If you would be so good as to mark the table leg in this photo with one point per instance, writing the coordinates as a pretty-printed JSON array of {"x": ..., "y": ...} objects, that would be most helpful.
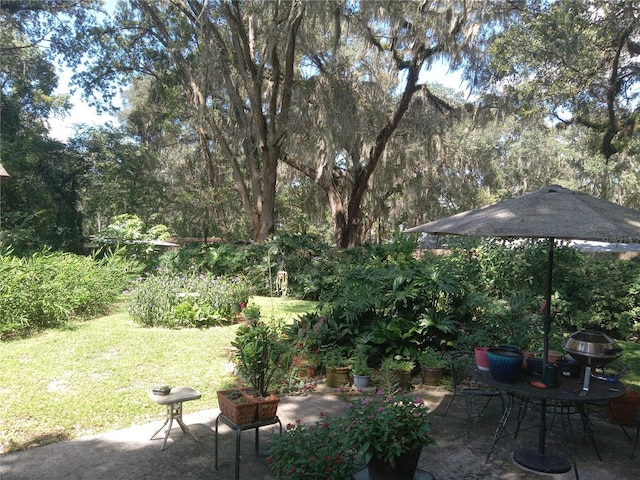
[
  {"x": 166, "y": 420},
  {"x": 586, "y": 425},
  {"x": 216, "y": 443},
  {"x": 168, "y": 431},
  {"x": 238, "y": 433},
  {"x": 502, "y": 425}
]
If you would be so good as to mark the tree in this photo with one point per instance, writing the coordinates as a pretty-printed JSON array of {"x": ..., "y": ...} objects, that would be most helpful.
[
  {"x": 364, "y": 76},
  {"x": 234, "y": 62},
  {"x": 577, "y": 61},
  {"x": 321, "y": 85},
  {"x": 40, "y": 204}
]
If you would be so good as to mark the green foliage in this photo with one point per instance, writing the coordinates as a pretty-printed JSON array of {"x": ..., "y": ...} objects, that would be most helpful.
[
  {"x": 260, "y": 352},
  {"x": 334, "y": 357},
  {"x": 40, "y": 203},
  {"x": 482, "y": 293},
  {"x": 129, "y": 232},
  {"x": 49, "y": 289},
  {"x": 398, "y": 363},
  {"x": 383, "y": 426},
  {"x": 189, "y": 300},
  {"x": 302, "y": 257},
  {"x": 431, "y": 358},
  {"x": 319, "y": 451},
  {"x": 310, "y": 334},
  {"x": 358, "y": 362},
  {"x": 386, "y": 426}
]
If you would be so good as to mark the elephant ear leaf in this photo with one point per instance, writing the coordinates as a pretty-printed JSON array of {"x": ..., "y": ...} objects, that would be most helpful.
[{"x": 437, "y": 320}]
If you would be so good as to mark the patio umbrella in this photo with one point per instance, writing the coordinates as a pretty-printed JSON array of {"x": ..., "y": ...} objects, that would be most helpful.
[{"x": 552, "y": 213}]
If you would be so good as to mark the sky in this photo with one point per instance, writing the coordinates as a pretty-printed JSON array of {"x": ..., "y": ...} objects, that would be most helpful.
[{"x": 81, "y": 113}]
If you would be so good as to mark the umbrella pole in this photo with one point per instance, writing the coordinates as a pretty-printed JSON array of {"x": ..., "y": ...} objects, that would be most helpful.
[
  {"x": 545, "y": 351},
  {"x": 547, "y": 307},
  {"x": 541, "y": 461}
]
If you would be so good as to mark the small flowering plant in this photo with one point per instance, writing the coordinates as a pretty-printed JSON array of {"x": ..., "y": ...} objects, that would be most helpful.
[
  {"x": 318, "y": 451},
  {"x": 386, "y": 426}
]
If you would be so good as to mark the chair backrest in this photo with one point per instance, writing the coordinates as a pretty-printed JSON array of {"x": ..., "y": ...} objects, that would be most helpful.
[{"x": 461, "y": 364}]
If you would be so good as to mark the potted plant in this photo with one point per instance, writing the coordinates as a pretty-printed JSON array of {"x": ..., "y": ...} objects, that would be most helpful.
[
  {"x": 306, "y": 363},
  {"x": 432, "y": 365},
  {"x": 336, "y": 365},
  {"x": 307, "y": 334},
  {"x": 399, "y": 367},
  {"x": 390, "y": 431},
  {"x": 360, "y": 369},
  {"x": 237, "y": 405},
  {"x": 258, "y": 351}
]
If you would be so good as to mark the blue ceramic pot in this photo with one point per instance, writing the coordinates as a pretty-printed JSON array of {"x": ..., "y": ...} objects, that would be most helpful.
[
  {"x": 504, "y": 365},
  {"x": 513, "y": 348}
]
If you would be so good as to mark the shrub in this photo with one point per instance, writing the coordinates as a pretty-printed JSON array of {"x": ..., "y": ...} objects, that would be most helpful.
[
  {"x": 385, "y": 426},
  {"x": 49, "y": 289},
  {"x": 190, "y": 300},
  {"x": 318, "y": 451}
]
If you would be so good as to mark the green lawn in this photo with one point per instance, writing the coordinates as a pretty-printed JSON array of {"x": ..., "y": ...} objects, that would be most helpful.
[{"x": 94, "y": 376}]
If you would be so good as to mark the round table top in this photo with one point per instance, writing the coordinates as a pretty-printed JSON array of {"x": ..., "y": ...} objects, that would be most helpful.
[
  {"x": 176, "y": 395},
  {"x": 568, "y": 389}
]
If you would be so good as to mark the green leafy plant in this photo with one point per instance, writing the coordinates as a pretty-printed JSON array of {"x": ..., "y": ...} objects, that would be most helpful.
[
  {"x": 386, "y": 426},
  {"x": 359, "y": 365},
  {"x": 49, "y": 289},
  {"x": 186, "y": 300},
  {"x": 318, "y": 451},
  {"x": 334, "y": 357},
  {"x": 398, "y": 363},
  {"x": 259, "y": 347},
  {"x": 429, "y": 357}
]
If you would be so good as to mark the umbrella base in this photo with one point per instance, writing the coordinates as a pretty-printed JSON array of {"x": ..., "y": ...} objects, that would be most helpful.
[{"x": 541, "y": 462}]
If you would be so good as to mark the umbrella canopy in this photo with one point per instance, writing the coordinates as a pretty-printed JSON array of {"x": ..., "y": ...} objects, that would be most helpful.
[{"x": 551, "y": 212}]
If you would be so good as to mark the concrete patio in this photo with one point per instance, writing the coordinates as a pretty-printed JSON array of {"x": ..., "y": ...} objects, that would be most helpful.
[{"x": 129, "y": 454}]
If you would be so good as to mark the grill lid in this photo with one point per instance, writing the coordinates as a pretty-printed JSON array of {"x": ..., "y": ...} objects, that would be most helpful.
[{"x": 592, "y": 348}]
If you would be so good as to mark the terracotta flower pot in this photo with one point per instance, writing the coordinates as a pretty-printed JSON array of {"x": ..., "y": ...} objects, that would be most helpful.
[
  {"x": 237, "y": 405},
  {"x": 624, "y": 409},
  {"x": 525, "y": 356},
  {"x": 481, "y": 358}
]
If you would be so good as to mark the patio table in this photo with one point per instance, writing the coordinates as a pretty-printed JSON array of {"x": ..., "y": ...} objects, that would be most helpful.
[
  {"x": 569, "y": 392},
  {"x": 173, "y": 402}
]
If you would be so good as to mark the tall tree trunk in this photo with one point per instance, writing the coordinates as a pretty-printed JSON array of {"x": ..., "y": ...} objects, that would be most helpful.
[{"x": 261, "y": 109}]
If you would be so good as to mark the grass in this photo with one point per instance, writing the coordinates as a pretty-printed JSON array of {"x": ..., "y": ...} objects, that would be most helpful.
[{"x": 94, "y": 376}]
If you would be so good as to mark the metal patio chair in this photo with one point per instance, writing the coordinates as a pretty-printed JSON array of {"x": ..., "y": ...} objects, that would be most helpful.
[{"x": 476, "y": 396}]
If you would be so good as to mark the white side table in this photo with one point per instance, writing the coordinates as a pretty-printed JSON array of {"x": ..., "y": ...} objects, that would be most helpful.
[{"x": 173, "y": 401}]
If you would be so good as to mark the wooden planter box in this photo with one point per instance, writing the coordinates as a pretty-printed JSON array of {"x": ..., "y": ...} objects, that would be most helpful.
[{"x": 241, "y": 410}]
